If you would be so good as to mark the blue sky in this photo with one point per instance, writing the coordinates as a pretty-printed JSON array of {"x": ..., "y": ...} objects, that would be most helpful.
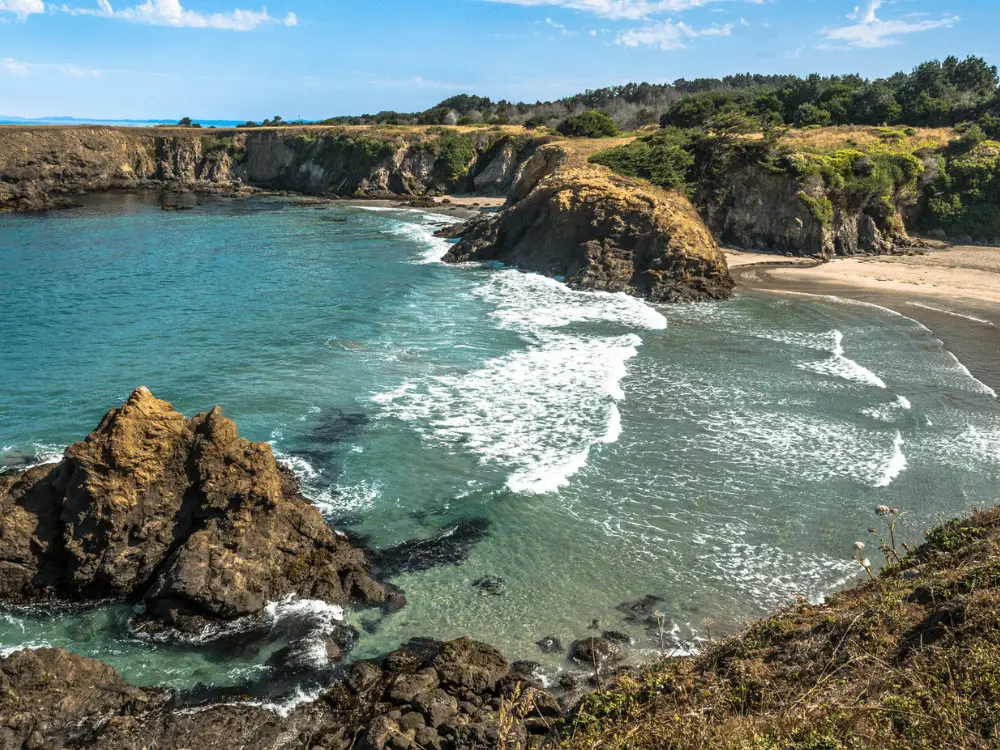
[{"x": 237, "y": 59}]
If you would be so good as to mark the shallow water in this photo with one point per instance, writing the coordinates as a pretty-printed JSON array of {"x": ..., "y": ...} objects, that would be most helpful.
[{"x": 722, "y": 457}]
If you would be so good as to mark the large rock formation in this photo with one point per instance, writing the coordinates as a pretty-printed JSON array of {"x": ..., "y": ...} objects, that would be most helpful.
[
  {"x": 180, "y": 514},
  {"x": 752, "y": 197},
  {"x": 446, "y": 696},
  {"x": 600, "y": 231},
  {"x": 46, "y": 167}
]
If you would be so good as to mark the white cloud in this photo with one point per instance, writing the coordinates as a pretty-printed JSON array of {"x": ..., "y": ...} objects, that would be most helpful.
[
  {"x": 630, "y": 9},
  {"x": 172, "y": 13},
  {"x": 22, "y": 8},
  {"x": 14, "y": 67},
  {"x": 871, "y": 31},
  {"x": 668, "y": 35}
]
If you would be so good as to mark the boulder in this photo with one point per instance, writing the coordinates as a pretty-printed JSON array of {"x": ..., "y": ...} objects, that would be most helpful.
[
  {"x": 473, "y": 666},
  {"x": 180, "y": 514},
  {"x": 595, "y": 651}
]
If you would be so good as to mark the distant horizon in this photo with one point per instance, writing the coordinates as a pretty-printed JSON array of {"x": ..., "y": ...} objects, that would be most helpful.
[{"x": 125, "y": 59}]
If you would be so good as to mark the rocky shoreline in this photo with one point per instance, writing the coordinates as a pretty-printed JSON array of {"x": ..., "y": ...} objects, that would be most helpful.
[{"x": 199, "y": 530}]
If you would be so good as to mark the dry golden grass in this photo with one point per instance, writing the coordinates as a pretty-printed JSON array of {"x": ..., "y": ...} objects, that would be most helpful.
[{"x": 864, "y": 137}]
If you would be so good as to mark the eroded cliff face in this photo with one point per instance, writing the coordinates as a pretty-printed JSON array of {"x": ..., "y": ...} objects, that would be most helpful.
[
  {"x": 600, "y": 231},
  {"x": 752, "y": 199},
  {"x": 45, "y": 167},
  {"x": 180, "y": 514}
]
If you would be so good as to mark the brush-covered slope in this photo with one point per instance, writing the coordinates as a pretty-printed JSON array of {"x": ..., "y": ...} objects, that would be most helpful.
[{"x": 910, "y": 659}]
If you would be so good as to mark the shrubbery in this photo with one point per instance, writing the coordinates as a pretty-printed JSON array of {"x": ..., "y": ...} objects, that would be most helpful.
[
  {"x": 589, "y": 124},
  {"x": 965, "y": 196},
  {"x": 663, "y": 158}
]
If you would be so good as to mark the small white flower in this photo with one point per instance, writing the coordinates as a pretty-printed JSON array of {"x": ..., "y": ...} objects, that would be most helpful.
[
  {"x": 866, "y": 563},
  {"x": 859, "y": 545}
]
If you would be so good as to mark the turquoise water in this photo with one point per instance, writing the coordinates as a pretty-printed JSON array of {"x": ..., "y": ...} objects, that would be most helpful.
[{"x": 723, "y": 457}]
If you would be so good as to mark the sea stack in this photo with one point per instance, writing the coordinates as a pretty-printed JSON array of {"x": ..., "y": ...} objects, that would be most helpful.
[{"x": 181, "y": 515}]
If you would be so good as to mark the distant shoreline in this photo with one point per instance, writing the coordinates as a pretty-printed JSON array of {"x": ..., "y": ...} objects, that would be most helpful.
[{"x": 954, "y": 292}]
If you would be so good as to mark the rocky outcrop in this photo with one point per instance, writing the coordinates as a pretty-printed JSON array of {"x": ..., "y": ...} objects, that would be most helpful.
[
  {"x": 46, "y": 167},
  {"x": 600, "y": 231},
  {"x": 752, "y": 198},
  {"x": 447, "y": 696},
  {"x": 179, "y": 514}
]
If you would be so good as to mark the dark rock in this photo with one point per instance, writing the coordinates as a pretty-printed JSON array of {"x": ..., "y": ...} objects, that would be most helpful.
[
  {"x": 365, "y": 679},
  {"x": 179, "y": 513},
  {"x": 616, "y": 637},
  {"x": 335, "y": 426},
  {"x": 379, "y": 733},
  {"x": 449, "y": 547},
  {"x": 402, "y": 661},
  {"x": 59, "y": 698},
  {"x": 642, "y": 611},
  {"x": 308, "y": 654},
  {"x": 492, "y": 585},
  {"x": 550, "y": 645},
  {"x": 595, "y": 652},
  {"x": 467, "y": 664},
  {"x": 412, "y": 722},
  {"x": 436, "y": 705},
  {"x": 406, "y": 687},
  {"x": 527, "y": 669}
]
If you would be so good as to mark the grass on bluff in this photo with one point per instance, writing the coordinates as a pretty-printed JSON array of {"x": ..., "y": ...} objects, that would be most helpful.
[{"x": 909, "y": 658}]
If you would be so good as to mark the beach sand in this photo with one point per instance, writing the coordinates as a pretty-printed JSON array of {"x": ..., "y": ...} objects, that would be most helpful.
[{"x": 952, "y": 290}]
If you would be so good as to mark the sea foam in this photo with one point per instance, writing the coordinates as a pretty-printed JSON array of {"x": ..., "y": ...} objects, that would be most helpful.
[
  {"x": 840, "y": 366},
  {"x": 536, "y": 412}
]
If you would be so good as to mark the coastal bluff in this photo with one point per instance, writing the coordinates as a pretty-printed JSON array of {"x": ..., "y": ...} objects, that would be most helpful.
[
  {"x": 599, "y": 231},
  {"x": 177, "y": 514},
  {"x": 47, "y": 167}
]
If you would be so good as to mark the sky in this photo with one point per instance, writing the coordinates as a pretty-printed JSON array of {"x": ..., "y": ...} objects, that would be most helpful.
[{"x": 239, "y": 60}]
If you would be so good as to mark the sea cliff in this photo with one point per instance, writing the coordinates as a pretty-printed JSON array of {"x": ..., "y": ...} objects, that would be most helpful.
[{"x": 45, "y": 167}]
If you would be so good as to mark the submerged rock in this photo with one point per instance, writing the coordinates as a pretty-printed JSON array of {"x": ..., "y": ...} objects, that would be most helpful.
[
  {"x": 450, "y": 547},
  {"x": 180, "y": 514}
]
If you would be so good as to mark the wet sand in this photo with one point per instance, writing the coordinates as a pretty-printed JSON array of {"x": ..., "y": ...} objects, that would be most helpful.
[{"x": 953, "y": 291}]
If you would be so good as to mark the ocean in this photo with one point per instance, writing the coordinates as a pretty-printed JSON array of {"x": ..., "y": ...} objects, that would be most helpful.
[{"x": 573, "y": 452}]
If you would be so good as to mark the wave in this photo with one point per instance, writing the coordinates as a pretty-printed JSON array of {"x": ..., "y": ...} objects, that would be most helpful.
[
  {"x": 423, "y": 234},
  {"x": 951, "y": 312},
  {"x": 979, "y": 385},
  {"x": 889, "y": 412},
  {"x": 536, "y": 412},
  {"x": 897, "y": 463},
  {"x": 840, "y": 366}
]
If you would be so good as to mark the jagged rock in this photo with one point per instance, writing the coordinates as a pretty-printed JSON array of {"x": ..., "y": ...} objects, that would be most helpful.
[
  {"x": 603, "y": 232},
  {"x": 52, "y": 699},
  {"x": 181, "y": 514},
  {"x": 595, "y": 651},
  {"x": 467, "y": 664},
  {"x": 58, "y": 697}
]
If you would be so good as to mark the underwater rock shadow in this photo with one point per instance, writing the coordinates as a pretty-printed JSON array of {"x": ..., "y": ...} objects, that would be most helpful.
[{"x": 451, "y": 546}]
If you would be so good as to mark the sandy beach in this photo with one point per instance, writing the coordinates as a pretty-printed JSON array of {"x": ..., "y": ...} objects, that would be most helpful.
[{"x": 953, "y": 290}]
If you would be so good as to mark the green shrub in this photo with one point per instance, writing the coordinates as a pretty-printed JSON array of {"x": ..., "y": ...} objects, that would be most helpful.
[
  {"x": 455, "y": 153},
  {"x": 821, "y": 209},
  {"x": 663, "y": 158},
  {"x": 810, "y": 114},
  {"x": 965, "y": 196},
  {"x": 589, "y": 124}
]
